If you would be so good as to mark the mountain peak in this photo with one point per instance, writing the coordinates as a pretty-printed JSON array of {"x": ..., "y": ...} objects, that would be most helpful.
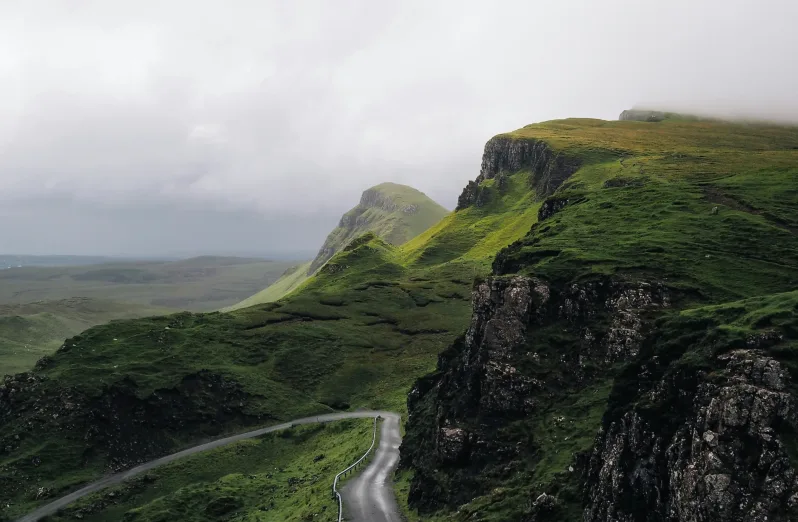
[{"x": 394, "y": 212}]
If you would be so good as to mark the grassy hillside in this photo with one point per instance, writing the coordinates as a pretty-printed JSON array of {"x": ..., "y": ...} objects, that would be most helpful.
[
  {"x": 703, "y": 212},
  {"x": 33, "y": 330},
  {"x": 287, "y": 283},
  {"x": 197, "y": 284},
  {"x": 284, "y": 476},
  {"x": 359, "y": 333},
  {"x": 396, "y": 213},
  {"x": 706, "y": 208}
]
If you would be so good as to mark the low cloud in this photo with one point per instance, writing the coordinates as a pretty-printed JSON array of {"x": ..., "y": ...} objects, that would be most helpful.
[{"x": 287, "y": 111}]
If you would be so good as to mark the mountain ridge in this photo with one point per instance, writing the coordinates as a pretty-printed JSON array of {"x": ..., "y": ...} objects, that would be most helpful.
[
  {"x": 541, "y": 330},
  {"x": 397, "y": 213}
]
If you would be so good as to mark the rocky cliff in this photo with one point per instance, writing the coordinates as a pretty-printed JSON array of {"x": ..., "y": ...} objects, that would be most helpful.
[
  {"x": 396, "y": 213},
  {"x": 506, "y": 155},
  {"x": 531, "y": 348},
  {"x": 604, "y": 377},
  {"x": 699, "y": 427}
]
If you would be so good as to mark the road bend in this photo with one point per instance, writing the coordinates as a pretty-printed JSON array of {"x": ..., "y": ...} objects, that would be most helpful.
[
  {"x": 370, "y": 497},
  {"x": 116, "y": 478}
]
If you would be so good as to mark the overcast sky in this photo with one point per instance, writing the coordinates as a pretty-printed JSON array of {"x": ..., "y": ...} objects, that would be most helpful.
[{"x": 160, "y": 127}]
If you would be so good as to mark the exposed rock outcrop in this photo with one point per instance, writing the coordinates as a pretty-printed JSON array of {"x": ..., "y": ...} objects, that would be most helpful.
[
  {"x": 492, "y": 376},
  {"x": 698, "y": 428},
  {"x": 551, "y": 206},
  {"x": 720, "y": 458},
  {"x": 508, "y": 155},
  {"x": 642, "y": 115}
]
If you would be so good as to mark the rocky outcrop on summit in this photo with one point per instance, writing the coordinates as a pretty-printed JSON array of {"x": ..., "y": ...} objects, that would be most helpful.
[
  {"x": 642, "y": 115},
  {"x": 505, "y": 368},
  {"x": 508, "y": 155},
  {"x": 395, "y": 213}
]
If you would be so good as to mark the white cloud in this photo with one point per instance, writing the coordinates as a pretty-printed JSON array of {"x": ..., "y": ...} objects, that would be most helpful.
[{"x": 296, "y": 107}]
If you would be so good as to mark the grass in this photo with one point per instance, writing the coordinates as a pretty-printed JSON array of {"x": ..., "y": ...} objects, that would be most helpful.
[
  {"x": 284, "y": 476},
  {"x": 33, "y": 330},
  {"x": 376, "y": 316},
  {"x": 396, "y": 213},
  {"x": 357, "y": 334},
  {"x": 708, "y": 210},
  {"x": 652, "y": 215},
  {"x": 288, "y": 282}
]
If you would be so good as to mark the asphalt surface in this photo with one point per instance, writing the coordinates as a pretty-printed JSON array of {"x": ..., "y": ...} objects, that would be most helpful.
[
  {"x": 369, "y": 497},
  {"x": 116, "y": 478}
]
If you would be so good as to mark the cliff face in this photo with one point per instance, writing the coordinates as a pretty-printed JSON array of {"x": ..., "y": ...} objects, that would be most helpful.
[
  {"x": 394, "y": 212},
  {"x": 506, "y": 155},
  {"x": 685, "y": 436},
  {"x": 603, "y": 376},
  {"x": 719, "y": 453},
  {"x": 530, "y": 346}
]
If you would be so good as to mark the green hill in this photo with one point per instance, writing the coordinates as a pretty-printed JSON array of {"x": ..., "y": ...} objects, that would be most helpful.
[
  {"x": 32, "y": 330},
  {"x": 287, "y": 283},
  {"x": 395, "y": 213},
  {"x": 583, "y": 251},
  {"x": 44, "y": 301}
]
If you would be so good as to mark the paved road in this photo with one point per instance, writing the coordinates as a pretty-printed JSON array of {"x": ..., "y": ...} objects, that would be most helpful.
[
  {"x": 369, "y": 497},
  {"x": 116, "y": 478}
]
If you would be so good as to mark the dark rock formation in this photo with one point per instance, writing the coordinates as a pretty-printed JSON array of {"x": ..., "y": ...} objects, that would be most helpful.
[
  {"x": 469, "y": 195},
  {"x": 492, "y": 376},
  {"x": 642, "y": 115},
  {"x": 508, "y": 155},
  {"x": 722, "y": 457},
  {"x": 551, "y": 206},
  {"x": 700, "y": 426}
]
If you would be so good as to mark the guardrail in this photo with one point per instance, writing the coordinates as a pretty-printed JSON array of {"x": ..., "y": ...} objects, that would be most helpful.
[{"x": 335, "y": 492}]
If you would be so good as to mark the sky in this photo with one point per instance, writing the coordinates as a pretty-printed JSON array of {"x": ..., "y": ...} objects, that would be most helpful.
[{"x": 249, "y": 126}]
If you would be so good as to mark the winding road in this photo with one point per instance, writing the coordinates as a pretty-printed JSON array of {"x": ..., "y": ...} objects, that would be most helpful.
[
  {"x": 369, "y": 497},
  {"x": 372, "y": 498}
]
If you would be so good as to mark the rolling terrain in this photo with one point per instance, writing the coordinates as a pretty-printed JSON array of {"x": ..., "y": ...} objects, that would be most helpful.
[
  {"x": 395, "y": 213},
  {"x": 198, "y": 284},
  {"x": 44, "y": 302},
  {"x": 544, "y": 331},
  {"x": 30, "y": 331}
]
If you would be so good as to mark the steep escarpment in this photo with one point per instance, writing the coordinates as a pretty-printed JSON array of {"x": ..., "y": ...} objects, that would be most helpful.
[
  {"x": 505, "y": 155},
  {"x": 699, "y": 425},
  {"x": 396, "y": 213},
  {"x": 633, "y": 357},
  {"x": 533, "y": 362},
  {"x": 702, "y": 447}
]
